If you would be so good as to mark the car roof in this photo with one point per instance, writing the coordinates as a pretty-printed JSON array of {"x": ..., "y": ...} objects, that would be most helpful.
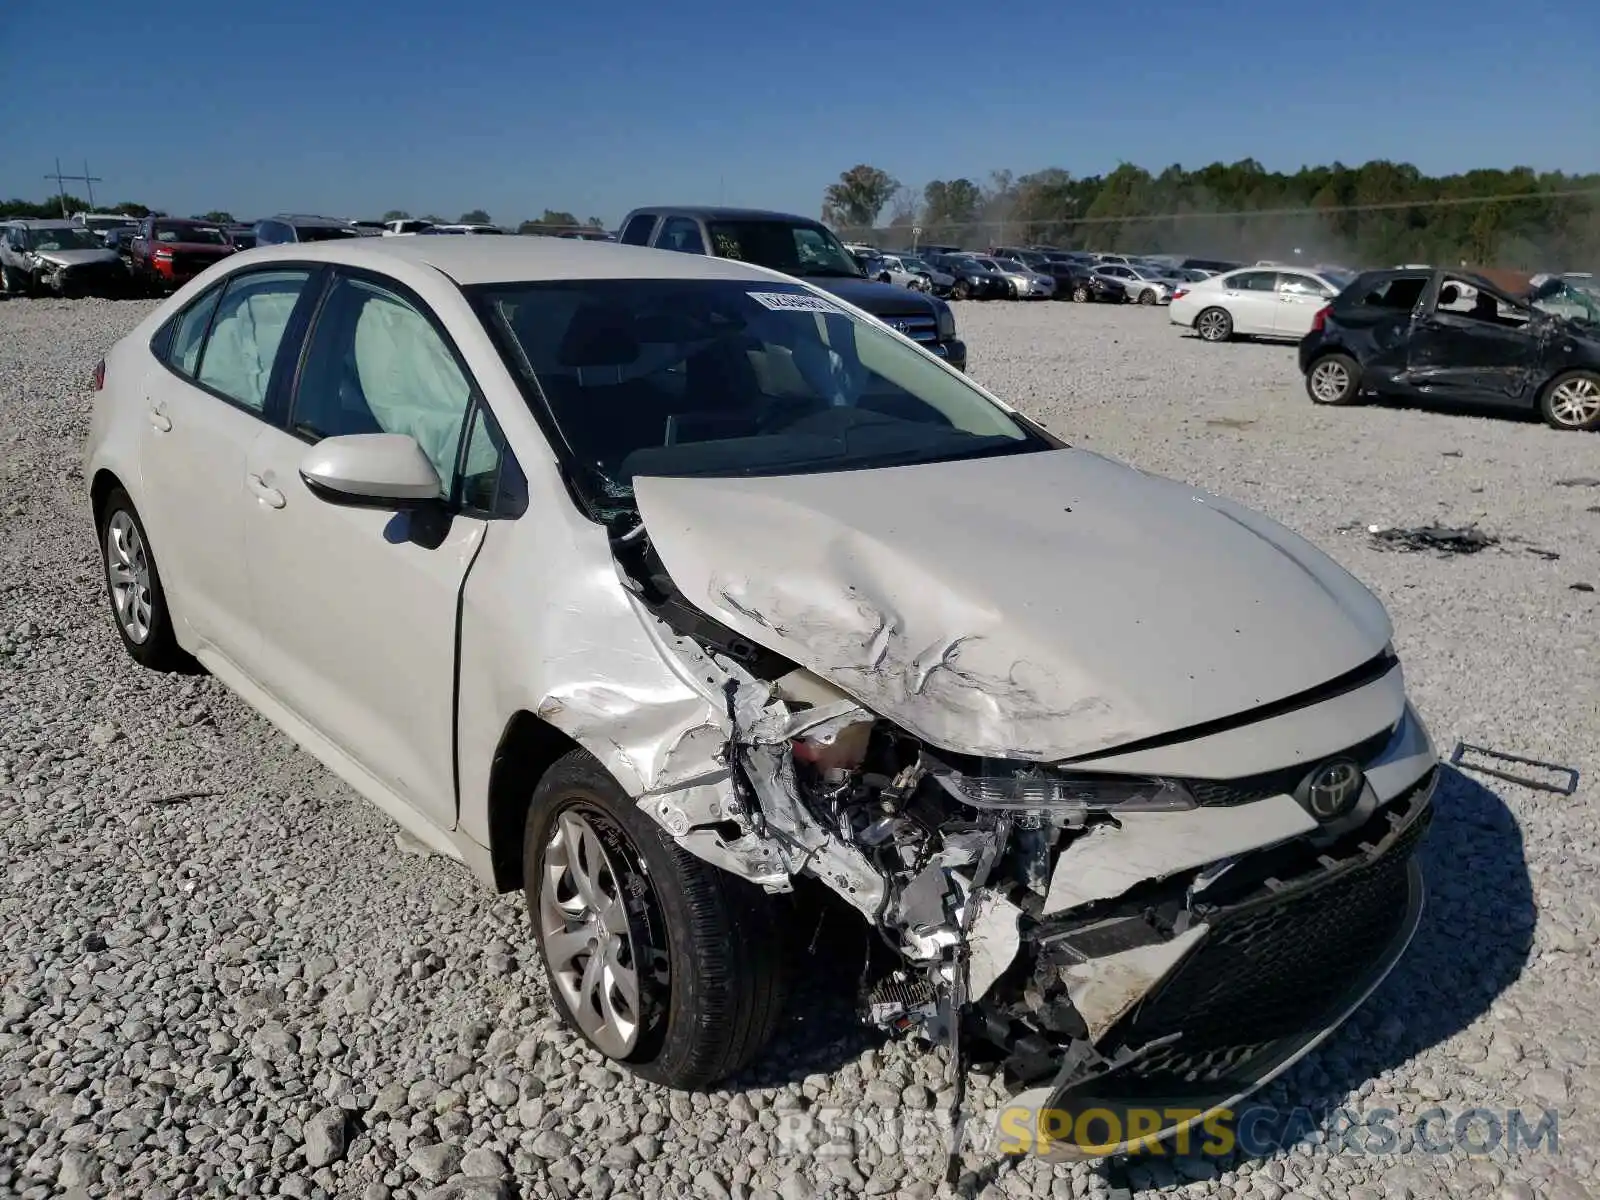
[
  {"x": 715, "y": 213},
  {"x": 39, "y": 223},
  {"x": 514, "y": 259}
]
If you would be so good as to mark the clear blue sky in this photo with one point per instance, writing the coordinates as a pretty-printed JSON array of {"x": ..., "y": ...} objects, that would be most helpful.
[{"x": 352, "y": 107}]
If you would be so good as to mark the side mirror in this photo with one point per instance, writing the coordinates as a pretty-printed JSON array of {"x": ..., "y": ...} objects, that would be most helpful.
[{"x": 372, "y": 470}]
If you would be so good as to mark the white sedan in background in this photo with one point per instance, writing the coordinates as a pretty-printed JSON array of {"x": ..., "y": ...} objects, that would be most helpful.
[{"x": 1277, "y": 302}]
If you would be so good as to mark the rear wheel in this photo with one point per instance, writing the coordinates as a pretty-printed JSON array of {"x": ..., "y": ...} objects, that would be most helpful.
[
  {"x": 1334, "y": 379},
  {"x": 13, "y": 281},
  {"x": 1572, "y": 401},
  {"x": 133, "y": 584},
  {"x": 1214, "y": 325},
  {"x": 661, "y": 961}
]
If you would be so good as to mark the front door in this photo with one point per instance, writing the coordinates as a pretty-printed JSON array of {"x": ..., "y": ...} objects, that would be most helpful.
[
  {"x": 357, "y": 606},
  {"x": 1473, "y": 347},
  {"x": 1300, "y": 299}
]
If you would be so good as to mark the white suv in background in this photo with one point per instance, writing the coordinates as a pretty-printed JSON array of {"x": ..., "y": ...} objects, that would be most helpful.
[{"x": 1260, "y": 302}]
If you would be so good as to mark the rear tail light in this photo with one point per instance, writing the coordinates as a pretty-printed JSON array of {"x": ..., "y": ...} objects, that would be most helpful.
[
  {"x": 163, "y": 253},
  {"x": 100, "y": 375},
  {"x": 1321, "y": 319},
  {"x": 1180, "y": 293}
]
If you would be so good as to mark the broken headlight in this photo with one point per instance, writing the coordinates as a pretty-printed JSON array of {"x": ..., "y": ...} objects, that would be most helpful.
[{"x": 1004, "y": 785}]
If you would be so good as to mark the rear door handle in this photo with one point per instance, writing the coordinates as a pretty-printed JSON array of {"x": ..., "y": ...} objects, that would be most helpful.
[
  {"x": 268, "y": 495},
  {"x": 159, "y": 419}
]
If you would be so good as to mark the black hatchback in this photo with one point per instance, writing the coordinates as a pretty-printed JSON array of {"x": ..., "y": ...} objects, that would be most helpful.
[{"x": 1453, "y": 337}]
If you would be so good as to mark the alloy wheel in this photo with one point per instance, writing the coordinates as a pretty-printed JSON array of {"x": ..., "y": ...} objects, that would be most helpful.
[
  {"x": 1212, "y": 326},
  {"x": 588, "y": 940},
  {"x": 1329, "y": 381},
  {"x": 128, "y": 570},
  {"x": 1576, "y": 402}
]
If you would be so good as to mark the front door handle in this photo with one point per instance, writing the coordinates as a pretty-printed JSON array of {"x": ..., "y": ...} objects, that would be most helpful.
[
  {"x": 160, "y": 420},
  {"x": 265, "y": 492}
]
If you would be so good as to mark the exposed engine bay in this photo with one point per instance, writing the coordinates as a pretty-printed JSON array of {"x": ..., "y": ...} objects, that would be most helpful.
[{"x": 1099, "y": 929}]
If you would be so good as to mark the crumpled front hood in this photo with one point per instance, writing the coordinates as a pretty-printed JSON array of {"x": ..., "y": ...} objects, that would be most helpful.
[
  {"x": 1037, "y": 606},
  {"x": 77, "y": 258}
]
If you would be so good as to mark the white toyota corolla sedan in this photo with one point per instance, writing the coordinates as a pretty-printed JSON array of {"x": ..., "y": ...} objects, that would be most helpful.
[{"x": 649, "y": 583}]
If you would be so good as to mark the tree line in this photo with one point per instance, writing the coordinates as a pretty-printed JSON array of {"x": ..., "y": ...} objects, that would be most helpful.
[
  {"x": 55, "y": 207},
  {"x": 1377, "y": 213}
]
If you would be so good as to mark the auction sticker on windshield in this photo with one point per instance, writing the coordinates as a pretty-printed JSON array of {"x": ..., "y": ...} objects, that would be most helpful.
[{"x": 779, "y": 301}]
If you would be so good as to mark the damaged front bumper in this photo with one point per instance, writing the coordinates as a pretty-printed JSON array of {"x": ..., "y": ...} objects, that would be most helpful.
[{"x": 1258, "y": 982}]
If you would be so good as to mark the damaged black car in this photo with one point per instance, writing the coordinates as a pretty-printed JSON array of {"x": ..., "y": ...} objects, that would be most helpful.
[{"x": 1453, "y": 336}]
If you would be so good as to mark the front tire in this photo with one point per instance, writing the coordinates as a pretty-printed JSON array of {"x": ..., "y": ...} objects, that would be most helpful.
[
  {"x": 1147, "y": 297},
  {"x": 1571, "y": 401},
  {"x": 133, "y": 585},
  {"x": 960, "y": 291},
  {"x": 1334, "y": 379},
  {"x": 1080, "y": 294},
  {"x": 1214, "y": 325},
  {"x": 662, "y": 962}
]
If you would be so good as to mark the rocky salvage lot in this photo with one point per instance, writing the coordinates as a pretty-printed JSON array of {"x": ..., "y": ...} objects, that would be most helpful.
[{"x": 221, "y": 975}]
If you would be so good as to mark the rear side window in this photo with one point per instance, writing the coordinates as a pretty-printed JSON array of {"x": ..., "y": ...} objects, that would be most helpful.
[
  {"x": 638, "y": 231},
  {"x": 1397, "y": 295},
  {"x": 1254, "y": 281},
  {"x": 189, "y": 334},
  {"x": 248, "y": 326},
  {"x": 680, "y": 233}
]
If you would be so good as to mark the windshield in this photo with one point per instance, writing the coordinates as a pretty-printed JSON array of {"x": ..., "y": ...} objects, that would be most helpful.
[
  {"x": 195, "y": 235},
  {"x": 65, "y": 238},
  {"x": 1567, "y": 301},
  {"x": 805, "y": 250},
  {"x": 915, "y": 264},
  {"x": 725, "y": 377}
]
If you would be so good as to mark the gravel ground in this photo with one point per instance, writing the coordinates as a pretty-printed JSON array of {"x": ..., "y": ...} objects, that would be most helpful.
[{"x": 257, "y": 990}]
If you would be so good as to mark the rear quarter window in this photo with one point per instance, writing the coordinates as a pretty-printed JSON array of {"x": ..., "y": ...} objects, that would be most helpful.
[{"x": 1394, "y": 295}]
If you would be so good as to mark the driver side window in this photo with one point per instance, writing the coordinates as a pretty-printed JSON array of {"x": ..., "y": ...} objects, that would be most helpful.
[{"x": 376, "y": 365}]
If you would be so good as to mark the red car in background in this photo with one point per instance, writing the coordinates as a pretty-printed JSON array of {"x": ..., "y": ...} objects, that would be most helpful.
[{"x": 165, "y": 253}]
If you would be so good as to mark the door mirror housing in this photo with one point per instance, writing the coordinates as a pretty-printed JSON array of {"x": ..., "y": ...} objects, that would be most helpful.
[{"x": 372, "y": 470}]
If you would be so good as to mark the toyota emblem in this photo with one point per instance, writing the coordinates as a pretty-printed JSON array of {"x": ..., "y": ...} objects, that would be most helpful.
[{"x": 1332, "y": 790}]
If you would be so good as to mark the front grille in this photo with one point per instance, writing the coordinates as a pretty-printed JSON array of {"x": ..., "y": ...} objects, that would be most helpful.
[
  {"x": 918, "y": 328},
  {"x": 1225, "y": 793},
  {"x": 1273, "y": 968}
]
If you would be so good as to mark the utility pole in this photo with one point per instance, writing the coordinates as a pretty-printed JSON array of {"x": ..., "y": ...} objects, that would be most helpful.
[{"x": 61, "y": 180}]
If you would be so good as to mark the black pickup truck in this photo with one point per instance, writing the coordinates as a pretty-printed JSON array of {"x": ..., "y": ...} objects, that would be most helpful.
[{"x": 803, "y": 248}]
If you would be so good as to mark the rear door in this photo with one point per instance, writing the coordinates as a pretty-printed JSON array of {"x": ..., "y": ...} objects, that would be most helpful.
[
  {"x": 1471, "y": 345},
  {"x": 206, "y": 405},
  {"x": 357, "y": 606},
  {"x": 1251, "y": 298}
]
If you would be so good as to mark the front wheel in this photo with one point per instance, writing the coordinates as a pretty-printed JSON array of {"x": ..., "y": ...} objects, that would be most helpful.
[
  {"x": 960, "y": 291},
  {"x": 1334, "y": 379},
  {"x": 1214, "y": 325},
  {"x": 661, "y": 961},
  {"x": 1572, "y": 401},
  {"x": 1080, "y": 294},
  {"x": 1147, "y": 297}
]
